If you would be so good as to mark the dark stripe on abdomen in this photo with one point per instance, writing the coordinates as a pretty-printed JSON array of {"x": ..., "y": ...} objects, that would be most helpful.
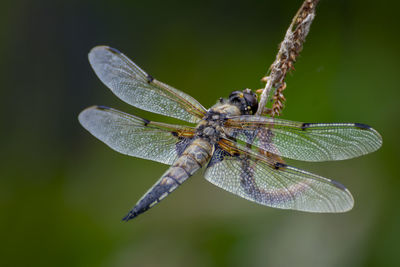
[{"x": 192, "y": 159}]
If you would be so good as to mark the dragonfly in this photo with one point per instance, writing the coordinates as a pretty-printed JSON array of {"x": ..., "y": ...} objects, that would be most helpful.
[{"x": 241, "y": 152}]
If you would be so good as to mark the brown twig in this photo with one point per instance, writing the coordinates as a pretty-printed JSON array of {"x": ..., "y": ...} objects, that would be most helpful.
[{"x": 289, "y": 49}]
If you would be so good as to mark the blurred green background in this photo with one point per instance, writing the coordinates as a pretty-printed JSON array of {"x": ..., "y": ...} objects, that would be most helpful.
[{"x": 63, "y": 192}]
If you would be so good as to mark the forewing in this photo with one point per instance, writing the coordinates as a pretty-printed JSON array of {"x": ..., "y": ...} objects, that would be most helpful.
[
  {"x": 135, "y": 136},
  {"x": 305, "y": 141},
  {"x": 273, "y": 183},
  {"x": 136, "y": 87}
]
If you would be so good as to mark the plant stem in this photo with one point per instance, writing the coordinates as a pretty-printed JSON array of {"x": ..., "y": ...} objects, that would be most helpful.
[{"x": 289, "y": 49}]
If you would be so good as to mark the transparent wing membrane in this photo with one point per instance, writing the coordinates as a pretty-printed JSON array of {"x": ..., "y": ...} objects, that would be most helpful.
[
  {"x": 136, "y": 87},
  {"x": 273, "y": 183},
  {"x": 246, "y": 150},
  {"x": 135, "y": 136},
  {"x": 305, "y": 141}
]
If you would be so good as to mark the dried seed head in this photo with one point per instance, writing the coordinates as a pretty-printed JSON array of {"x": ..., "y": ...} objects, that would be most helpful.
[{"x": 289, "y": 49}]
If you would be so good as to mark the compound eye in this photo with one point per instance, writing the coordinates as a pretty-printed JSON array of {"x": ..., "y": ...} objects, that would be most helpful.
[
  {"x": 235, "y": 94},
  {"x": 247, "y": 91},
  {"x": 251, "y": 100},
  {"x": 236, "y": 97}
]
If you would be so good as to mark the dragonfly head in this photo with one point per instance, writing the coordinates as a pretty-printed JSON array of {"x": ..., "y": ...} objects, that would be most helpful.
[{"x": 246, "y": 100}]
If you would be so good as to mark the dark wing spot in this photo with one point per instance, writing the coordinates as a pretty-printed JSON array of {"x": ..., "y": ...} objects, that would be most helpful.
[
  {"x": 247, "y": 179},
  {"x": 362, "y": 126},
  {"x": 279, "y": 165},
  {"x": 174, "y": 134},
  {"x": 338, "y": 185},
  {"x": 113, "y": 50},
  {"x": 103, "y": 107},
  {"x": 146, "y": 122},
  {"x": 149, "y": 78},
  {"x": 218, "y": 156},
  {"x": 305, "y": 125},
  {"x": 181, "y": 146}
]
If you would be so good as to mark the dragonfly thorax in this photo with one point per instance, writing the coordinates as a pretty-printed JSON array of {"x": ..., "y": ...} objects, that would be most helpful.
[{"x": 211, "y": 125}]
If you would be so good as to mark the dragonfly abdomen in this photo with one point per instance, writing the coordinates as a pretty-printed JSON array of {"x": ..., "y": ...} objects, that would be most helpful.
[{"x": 193, "y": 158}]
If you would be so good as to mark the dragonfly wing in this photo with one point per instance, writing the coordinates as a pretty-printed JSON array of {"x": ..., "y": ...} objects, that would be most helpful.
[
  {"x": 136, "y": 87},
  {"x": 272, "y": 183},
  {"x": 135, "y": 136},
  {"x": 305, "y": 141}
]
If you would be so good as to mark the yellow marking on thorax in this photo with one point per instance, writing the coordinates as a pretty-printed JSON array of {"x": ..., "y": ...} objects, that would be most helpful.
[
  {"x": 228, "y": 147},
  {"x": 186, "y": 134}
]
